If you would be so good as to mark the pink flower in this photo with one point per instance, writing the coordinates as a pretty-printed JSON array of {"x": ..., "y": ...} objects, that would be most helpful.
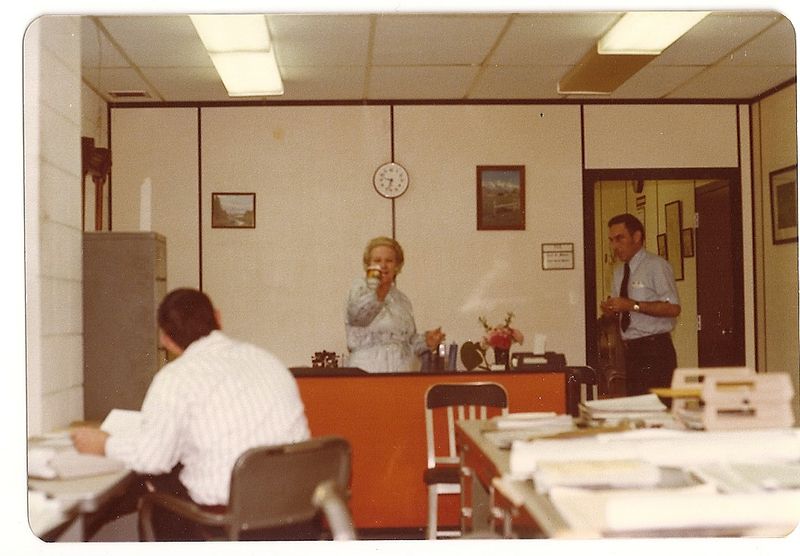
[{"x": 502, "y": 335}]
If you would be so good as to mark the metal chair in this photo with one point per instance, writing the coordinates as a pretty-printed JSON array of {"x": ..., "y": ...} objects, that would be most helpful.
[
  {"x": 444, "y": 475},
  {"x": 271, "y": 486},
  {"x": 581, "y": 386}
]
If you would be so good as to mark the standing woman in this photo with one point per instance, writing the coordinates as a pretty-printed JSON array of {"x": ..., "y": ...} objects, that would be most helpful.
[{"x": 381, "y": 334}]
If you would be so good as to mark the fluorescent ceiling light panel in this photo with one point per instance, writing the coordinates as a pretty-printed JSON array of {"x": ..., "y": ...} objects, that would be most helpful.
[
  {"x": 647, "y": 32},
  {"x": 241, "y": 50},
  {"x": 248, "y": 73}
]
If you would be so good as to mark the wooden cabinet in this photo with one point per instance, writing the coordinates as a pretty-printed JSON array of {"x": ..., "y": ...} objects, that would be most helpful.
[{"x": 124, "y": 280}]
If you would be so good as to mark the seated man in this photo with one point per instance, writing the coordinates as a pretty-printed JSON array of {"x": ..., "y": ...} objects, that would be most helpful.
[{"x": 205, "y": 408}]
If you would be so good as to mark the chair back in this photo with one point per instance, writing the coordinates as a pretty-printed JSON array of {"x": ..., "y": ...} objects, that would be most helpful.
[
  {"x": 275, "y": 485},
  {"x": 458, "y": 401}
]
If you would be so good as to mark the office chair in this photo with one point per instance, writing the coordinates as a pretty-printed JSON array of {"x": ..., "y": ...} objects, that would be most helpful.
[
  {"x": 456, "y": 401},
  {"x": 271, "y": 486}
]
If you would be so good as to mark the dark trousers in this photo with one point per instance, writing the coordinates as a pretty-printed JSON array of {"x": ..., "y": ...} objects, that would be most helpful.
[{"x": 649, "y": 363}]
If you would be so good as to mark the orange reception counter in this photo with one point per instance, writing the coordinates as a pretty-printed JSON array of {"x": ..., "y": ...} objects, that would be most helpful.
[{"x": 383, "y": 418}]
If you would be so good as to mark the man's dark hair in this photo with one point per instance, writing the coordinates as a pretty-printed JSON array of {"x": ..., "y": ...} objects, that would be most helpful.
[
  {"x": 632, "y": 224},
  {"x": 186, "y": 315}
]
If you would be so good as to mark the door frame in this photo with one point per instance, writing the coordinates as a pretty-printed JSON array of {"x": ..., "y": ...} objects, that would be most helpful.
[{"x": 628, "y": 174}]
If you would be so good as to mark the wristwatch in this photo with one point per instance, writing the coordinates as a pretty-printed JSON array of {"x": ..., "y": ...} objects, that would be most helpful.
[{"x": 636, "y": 307}]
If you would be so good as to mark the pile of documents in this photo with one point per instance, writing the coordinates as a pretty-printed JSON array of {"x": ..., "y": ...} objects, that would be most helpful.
[
  {"x": 52, "y": 455},
  {"x": 504, "y": 430},
  {"x": 646, "y": 409},
  {"x": 67, "y": 463},
  {"x": 667, "y": 480}
]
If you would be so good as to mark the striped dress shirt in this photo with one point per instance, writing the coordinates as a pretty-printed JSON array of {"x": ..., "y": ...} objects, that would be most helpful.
[{"x": 204, "y": 409}]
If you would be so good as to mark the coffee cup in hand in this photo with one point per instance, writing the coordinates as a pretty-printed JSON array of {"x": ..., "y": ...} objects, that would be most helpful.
[{"x": 373, "y": 275}]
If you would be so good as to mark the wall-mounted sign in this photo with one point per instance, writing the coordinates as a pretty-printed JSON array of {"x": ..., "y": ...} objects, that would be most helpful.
[{"x": 558, "y": 256}]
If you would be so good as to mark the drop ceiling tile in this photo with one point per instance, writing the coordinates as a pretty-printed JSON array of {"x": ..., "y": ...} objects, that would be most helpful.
[
  {"x": 775, "y": 46},
  {"x": 435, "y": 39},
  {"x": 96, "y": 49},
  {"x": 317, "y": 40},
  {"x": 530, "y": 39},
  {"x": 158, "y": 41},
  {"x": 337, "y": 83},
  {"x": 716, "y": 36},
  {"x": 519, "y": 82},
  {"x": 734, "y": 82},
  {"x": 188, "y": 84},
  {"x": 655, "y": 81},
  {"x": 420, "y": 82}
]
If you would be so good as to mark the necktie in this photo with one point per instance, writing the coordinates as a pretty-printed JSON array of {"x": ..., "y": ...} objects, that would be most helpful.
[{"x": 625, "y": 317}]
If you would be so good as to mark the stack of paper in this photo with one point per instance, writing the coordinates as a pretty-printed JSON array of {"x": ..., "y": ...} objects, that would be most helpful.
[
  {"x": 596, "y": 473},
  {"x": 647, "y": 408},
  {"x": 527, "y": 426},
  {"x": 670, "y": 448},
  {"x": 49, "y": 463},
  {"x": 527, "y": 420}
]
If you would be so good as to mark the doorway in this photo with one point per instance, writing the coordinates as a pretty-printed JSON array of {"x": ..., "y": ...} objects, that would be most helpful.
[
  {"x": 707, "y": 257},
  {"x": 720, "y": 323}
]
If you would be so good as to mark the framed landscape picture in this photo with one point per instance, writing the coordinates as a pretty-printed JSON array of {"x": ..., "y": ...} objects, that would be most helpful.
[
  {"x": 783, "y": 198},
  {"x": 233, "y": 210},
  {"x": 674, "y": 225},
  {"x": 501, "y": 197}
]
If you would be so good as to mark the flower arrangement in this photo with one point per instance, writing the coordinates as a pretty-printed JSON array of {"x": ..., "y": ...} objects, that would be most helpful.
[{"x": 500, "y": 336}]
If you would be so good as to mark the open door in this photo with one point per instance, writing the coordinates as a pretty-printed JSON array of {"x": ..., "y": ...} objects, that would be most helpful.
[{"x": 720, "y": 313}]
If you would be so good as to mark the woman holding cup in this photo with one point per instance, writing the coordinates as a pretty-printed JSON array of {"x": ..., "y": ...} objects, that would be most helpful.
[{"x": 381, "y": 334}]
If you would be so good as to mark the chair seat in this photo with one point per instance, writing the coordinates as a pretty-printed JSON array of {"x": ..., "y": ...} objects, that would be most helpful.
[{"x": 442, "y": 474}]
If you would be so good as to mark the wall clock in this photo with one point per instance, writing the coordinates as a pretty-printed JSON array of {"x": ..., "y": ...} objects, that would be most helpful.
[{"x": 390, "y": 180}]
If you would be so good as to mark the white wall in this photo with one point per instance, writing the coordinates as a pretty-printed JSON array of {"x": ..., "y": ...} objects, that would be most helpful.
[
  {"x": 454, "y": 272},
  {"x": 159, "y": 146},
  {"x": 660, "y": 136},
  {"x": 775, "y": 142},
  {"x": 54, "y": 341},
  {"x": 282, "y": 284}
]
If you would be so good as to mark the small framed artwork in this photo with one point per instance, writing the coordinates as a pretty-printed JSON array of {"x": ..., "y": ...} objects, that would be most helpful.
[
  {"x": 687, "y": 242},
  {"x": 783, "y": 197},
  {"x": 662, "y": 245},
  {"x": 233, "y": 210},
  {"x": 501, "y": 197},
  {"x": 674, "y": 225}
]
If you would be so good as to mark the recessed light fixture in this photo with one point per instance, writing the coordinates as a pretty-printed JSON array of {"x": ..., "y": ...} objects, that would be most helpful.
[
  {"x": 635, "y": 40},
  {"x": 242, "y": 53},
  {"x": 647, "y": 32}
]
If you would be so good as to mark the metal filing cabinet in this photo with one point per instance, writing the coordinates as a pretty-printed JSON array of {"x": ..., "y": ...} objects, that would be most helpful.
[{"x": 124, "y": 280}]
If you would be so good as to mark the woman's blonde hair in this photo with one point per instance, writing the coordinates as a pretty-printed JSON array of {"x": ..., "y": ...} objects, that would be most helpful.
[{"x": 383, "y": 241}]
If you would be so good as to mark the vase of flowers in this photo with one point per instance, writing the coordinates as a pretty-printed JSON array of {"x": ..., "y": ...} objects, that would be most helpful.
[{"x": 499, "y": 338}]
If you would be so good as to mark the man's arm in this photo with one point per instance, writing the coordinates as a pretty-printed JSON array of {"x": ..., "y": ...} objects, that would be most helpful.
[{"x": 89, "y": 440}]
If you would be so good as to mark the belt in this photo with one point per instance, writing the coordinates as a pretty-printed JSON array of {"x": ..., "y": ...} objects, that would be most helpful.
[{"x": 647, "y": 339}]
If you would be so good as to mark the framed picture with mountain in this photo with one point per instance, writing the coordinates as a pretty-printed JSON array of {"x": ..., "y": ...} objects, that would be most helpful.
[
  {"x": 233, "y": 210},
  {"x": 501, "y": 197}
]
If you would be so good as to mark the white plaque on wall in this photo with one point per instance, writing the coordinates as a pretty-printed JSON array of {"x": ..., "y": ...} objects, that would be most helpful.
[{"x": 558, "y": 256}]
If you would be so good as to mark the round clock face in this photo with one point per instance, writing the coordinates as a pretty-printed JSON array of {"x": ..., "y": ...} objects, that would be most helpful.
[{"x": 390, "y": 180}]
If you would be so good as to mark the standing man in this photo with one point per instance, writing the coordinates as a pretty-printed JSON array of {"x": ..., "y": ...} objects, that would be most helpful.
[
  {"x": 645, "y": 298},
  {"x": 219, "y": 398}
]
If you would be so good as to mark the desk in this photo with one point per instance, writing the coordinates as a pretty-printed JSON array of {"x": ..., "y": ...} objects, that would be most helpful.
[
  {"x": 383, "y": 418},
  {"x": 78, "y": 497},
  {"x": 533, "y": 513},
  {"x": 758, "y": 514}
]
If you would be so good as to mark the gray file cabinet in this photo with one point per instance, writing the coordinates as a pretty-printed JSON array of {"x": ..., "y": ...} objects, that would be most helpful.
[{"x": 124, "y": 280}]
